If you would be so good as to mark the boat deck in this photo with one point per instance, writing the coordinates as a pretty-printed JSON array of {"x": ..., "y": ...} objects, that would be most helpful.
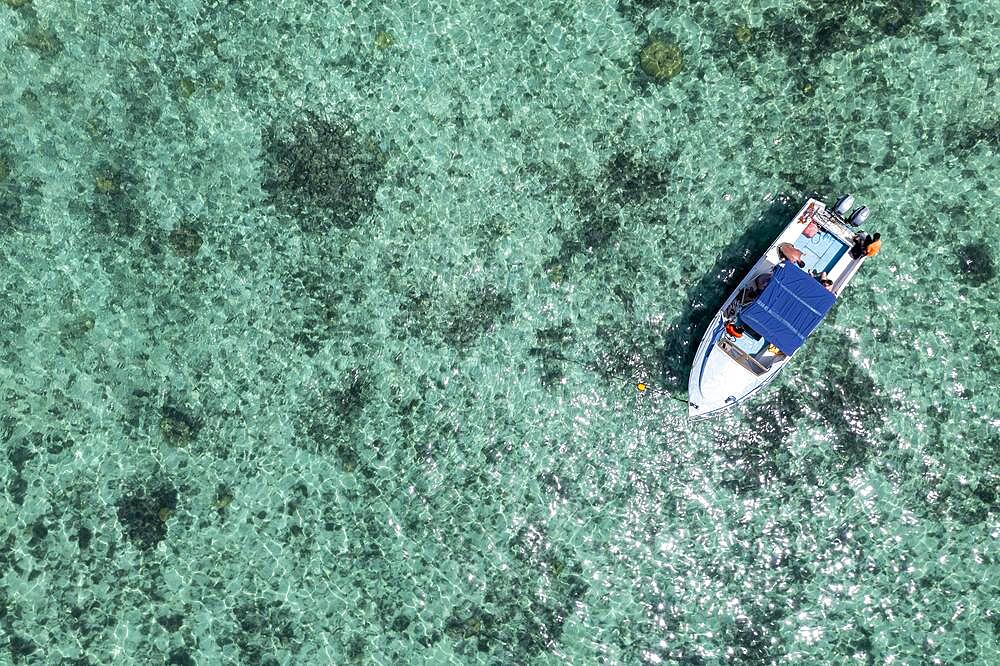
[
  {"x": 827, "y": 251},
  {"x": 821, "y": 252}
]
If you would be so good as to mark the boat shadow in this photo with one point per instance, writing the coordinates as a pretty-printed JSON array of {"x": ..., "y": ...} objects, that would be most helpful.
[{"x": 705, "y": 296}]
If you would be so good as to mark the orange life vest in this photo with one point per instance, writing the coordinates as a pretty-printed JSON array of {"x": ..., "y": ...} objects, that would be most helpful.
[{"x": 874, "y": 248}]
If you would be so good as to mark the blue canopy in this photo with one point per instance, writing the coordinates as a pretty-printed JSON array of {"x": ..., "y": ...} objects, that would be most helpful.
[{"x": 789, "y": 308}]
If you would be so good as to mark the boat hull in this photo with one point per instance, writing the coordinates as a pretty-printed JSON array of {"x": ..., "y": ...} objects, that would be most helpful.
[{"x": 729, "y": 370}]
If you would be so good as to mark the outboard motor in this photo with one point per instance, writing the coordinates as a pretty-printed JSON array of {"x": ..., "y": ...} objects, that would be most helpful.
[
  {"x": 859, "y": 217},
  {"x": 844, "y": 204}
]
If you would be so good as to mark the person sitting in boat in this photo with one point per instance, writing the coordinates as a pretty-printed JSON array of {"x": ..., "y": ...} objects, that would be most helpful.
[
  {"x": 866, "y": 246},
  {"x": 825, "y": 281},
  {"x": 761, "y": 281},
  {"x": 791, "y": 253},
  {"x": 873, "y": 246}
]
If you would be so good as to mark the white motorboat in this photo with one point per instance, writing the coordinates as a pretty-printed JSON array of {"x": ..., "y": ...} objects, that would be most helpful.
[{"x": 771, "y": 313}]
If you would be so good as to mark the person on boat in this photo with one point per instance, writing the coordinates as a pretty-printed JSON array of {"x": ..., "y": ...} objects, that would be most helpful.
[
  {"x": 866, "y": 246},
  {"x": 761, "y": 281},
  {"x": 825, "y": 281},
  {"x": 873, "y": 245},
  {"x": 791, "y": 253}
]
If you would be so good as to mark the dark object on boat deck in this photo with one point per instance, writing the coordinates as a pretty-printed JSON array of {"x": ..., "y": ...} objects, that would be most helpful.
[{"x": 862, "y": 242}]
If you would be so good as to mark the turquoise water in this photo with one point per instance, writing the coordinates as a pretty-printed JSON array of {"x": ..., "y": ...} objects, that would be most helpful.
[{"x": 322, "y": 323}]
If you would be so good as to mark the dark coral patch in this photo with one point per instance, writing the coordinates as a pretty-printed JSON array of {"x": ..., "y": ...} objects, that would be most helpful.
[
  {"x": 11, "y": 195},
  {"x": 636, "y": 11},
  {"x": 171, "y": 622},
  {"x": 21, "y": 647},
  {"x": 961, "y": 140},
  {"x": 893, "y": 18},
  {"x": 414, "y": 314},
  {"x": 814, "y": 32},
  {"x": 970, "y": 499},
  {"x": 321, "y": 288},
  {"x": 265, "y": 628},
  {"x": 143, "y": 515},
  {"x": 753, "y": 637},
  {"x": 661, "y": 60},
  {"x": 461, "y": 323},
  {"x": 323, "y": 172},
  {"x": 181, "y": 657},
  {"x": 177, "y": 426},
  {"x": 626, "y": 182},
  {"x": 19, "y": 455},
  {"x": 185, "y": 240},
  {"x": 77, "y": 327},
  {"x": 482, "y": 310},
  {"x": 975, "y": 263},
  {"x": 332, "y": 417},
  {"x": 114, "y": 208},
  {"x": 514, "y": 627},
  {"x": 43, "y": 41},
  {"x": 349, "y": 399},
  {"x": 549, "y": 350},
  {"x": 83, "y": 538},
  {"x": 627, "y": 351}
]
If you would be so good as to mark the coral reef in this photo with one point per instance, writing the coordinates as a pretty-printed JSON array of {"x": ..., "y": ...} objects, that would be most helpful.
[
  {"x": 186, "y": 87},
  {"x": 893, "y": 18},
  {"x": 661, "y": 60},
  {"x": 114, "y": 207},
  {"x": 463, "y": 321},
  {"x": 550, "y": 343},
  {"x": 77, "y": 327},
  {"x": 143, "y": 514},
  {"x": 185, "y": 240},
  {"x": 44, "y": 42},
  {"x": 322, "y": 172},
  {"x": 177, "y": 426},
  {"x": 383, "y": 40},
  {"x": 522, "y": 626},
  {"x": 742, "y": 34},
  {"x": 985, "y": 132},
  {"x": 10, "y": 194},
  {"x": 975, "y": 263},
  {"x": 625, "y": 183},
  {"x": 325, "y": 286},
  {"x": 264, "y": 629},
  {"x": 637, "y": 11},
  {"x": 480, "y": 312},
  {"x": 812, "y": 33},
  {"x": 330, "y": 422}
]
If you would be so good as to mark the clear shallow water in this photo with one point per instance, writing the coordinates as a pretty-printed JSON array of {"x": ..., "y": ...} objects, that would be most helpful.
[{"x": 321, "y": 327}]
